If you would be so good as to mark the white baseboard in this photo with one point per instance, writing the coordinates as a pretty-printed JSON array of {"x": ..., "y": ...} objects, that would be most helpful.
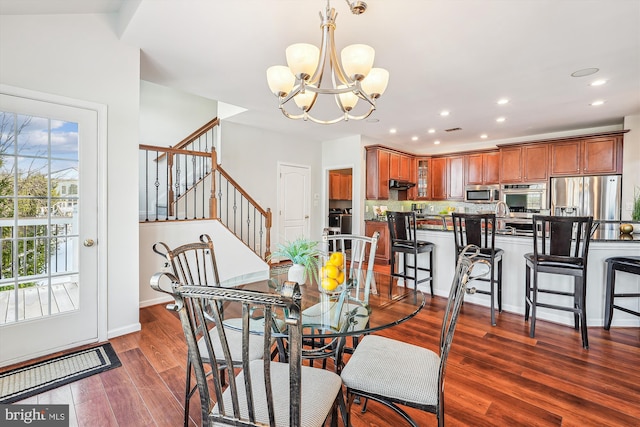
[{"x": 135, "y": 327}]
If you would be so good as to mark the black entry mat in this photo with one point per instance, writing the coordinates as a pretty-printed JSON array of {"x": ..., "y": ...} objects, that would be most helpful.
[{"x": 26, "y": 381}]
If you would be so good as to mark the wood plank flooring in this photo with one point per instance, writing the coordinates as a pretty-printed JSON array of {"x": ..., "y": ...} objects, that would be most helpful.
[{"x": 496, "y": 376}]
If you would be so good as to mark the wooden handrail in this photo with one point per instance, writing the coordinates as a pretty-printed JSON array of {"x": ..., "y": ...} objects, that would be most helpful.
[
  {"x": 241, "y": 190},
  {"x": 173, "y": 150},
  {"x": 200, "y": 131}
]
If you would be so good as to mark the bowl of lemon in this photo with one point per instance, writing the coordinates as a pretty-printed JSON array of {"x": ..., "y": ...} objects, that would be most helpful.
[{"x": 332, "y": 277}]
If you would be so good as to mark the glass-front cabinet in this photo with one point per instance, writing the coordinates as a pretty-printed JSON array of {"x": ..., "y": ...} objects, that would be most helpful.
[{"x": 422, "y": 184}]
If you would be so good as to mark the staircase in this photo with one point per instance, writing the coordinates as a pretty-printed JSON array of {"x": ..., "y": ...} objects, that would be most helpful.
[{"x": 186, "y": 183}]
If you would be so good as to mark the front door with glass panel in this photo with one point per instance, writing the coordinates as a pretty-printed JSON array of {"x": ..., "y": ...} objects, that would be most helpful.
[{"x": 48, "y": 221}]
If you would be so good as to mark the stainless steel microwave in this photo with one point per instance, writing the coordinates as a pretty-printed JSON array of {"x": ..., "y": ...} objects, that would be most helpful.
[{"x": 482, "y": 193}]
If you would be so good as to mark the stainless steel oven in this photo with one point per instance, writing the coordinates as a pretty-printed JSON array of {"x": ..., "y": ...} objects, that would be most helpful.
[{"x": 525, "y": 198}]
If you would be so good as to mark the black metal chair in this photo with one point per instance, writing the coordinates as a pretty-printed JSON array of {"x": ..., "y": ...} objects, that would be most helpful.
[
  {"x": 480, "y": 230},
  {"x": 403, "y": 240},
  {"x": 560, "y": 246},
  {"x": 631, "y": 265},
  {"x": 260, "y": 392},
  {"x": 397, "y": 373},
  {"x": 195, "y": 264}
]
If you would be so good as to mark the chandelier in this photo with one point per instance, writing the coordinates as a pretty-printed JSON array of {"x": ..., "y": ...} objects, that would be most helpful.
[{"x": 352, "y": 78}]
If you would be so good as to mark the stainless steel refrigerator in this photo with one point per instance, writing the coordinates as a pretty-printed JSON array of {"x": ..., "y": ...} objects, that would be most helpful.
[{"x": 597, "y": 196}]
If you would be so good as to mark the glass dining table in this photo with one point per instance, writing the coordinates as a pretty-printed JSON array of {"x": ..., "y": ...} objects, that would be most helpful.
[{"x": 329, "y": 318}]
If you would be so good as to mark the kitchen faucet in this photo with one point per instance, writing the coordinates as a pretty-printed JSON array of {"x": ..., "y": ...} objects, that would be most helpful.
[{"x": 502, "y": 209}]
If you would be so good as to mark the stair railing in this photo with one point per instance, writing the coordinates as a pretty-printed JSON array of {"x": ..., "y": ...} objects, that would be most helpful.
[{"x": 187, "y": 183}]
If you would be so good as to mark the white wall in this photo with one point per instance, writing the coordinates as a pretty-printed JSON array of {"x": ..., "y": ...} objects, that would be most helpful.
[
  {"x": 236, "y": 262},
  {"x": 630, "y": 163},
  {"x": 251, "y": 155},
  {"x": 346, "y": 153},
  {"x": 80, "y": 57},
  {"x": 167, "y": 116}
]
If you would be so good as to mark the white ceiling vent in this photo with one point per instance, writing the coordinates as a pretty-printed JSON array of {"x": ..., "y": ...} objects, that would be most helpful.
[{"x": 452, "y": 129}]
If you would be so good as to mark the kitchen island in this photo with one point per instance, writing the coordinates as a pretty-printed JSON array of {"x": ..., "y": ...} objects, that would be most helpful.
[{"x": 605, "y": 244}]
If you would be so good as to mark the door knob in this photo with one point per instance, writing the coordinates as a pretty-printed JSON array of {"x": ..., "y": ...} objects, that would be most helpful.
[{"x": 89, "y": 242}]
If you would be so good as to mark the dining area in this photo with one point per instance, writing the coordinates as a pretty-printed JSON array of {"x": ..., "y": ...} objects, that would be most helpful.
[{"x": 361, "y": 332}]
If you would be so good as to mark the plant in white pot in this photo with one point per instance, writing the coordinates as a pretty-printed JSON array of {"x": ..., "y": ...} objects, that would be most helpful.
[{"x": 304, "y": 254}]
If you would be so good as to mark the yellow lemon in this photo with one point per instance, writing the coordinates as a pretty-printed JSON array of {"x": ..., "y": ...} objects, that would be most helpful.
[
  {"x": 329, "y": 284},
  {"x": 340, "y": 278},
  {"x": 331, "y": 271},
  {"x": 336, "y": 259}
]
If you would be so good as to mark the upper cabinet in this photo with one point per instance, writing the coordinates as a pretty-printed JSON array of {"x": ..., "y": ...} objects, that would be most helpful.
[
  {"x": 399, "y": 166},
  {"x": 377, "y": 174},
  {"x": 482, "y": 168},
  {"x": 340, "y": 186},
  {"x": 447, "y": 178},
  {"x": 524, "y": 163},
  {"x": 599, "y": 155},
  {"x": 423, "y": 187}
]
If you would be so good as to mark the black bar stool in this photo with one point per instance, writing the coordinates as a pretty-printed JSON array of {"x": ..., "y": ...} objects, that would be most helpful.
[
  {"x": 630, "y": 264},
  {"x": 402, "y": 233}
]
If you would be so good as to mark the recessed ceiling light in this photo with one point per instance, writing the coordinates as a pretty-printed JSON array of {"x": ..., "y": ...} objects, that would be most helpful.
[
  {"x": 500, "y": 119},
  {"x": 436, "y": 142},
  {"x": 414, "y": 138},
  {"x": 596, "y": 103},
  {"x": 483, "y": 136},
  {"x": 432, "y": 131},
  {"x": 597, "y": 82},
  {"x": 392, "y": 130},
  {"x": 444, "y": 113},
  {"x": 585, "y": 72},
  {"x": 503, "y": 101}
]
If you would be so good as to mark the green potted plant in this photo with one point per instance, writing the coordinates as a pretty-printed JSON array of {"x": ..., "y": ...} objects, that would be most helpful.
[
  {"x": 635, "y": 213},
  {"x": 304, "y": 254}
]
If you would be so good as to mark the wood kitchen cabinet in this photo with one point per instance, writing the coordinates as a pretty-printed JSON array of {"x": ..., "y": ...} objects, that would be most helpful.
[
  {"x": 447, "y": 178},
  {"x": 482, "y": 168},
  {"x": 383, "y": 250},
  {"x": 399, "y": 166},
  {"x": 525, "y": 163},
  {"x": 340, "y": 186},
  {"x": 592, "y": 156},
  {"x": 377, "y": 174},
  {"x": 423, "y": 181}
]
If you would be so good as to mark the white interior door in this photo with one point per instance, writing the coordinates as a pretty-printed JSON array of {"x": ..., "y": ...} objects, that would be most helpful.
[
  {"x": 48, "y": 223},
  {"x": 294, "y": 203}
]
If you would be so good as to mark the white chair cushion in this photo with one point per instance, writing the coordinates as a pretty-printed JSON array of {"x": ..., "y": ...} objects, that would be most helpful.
[
  {"x": 319, "y": 390},
  {"x": 394, "y": 369}
]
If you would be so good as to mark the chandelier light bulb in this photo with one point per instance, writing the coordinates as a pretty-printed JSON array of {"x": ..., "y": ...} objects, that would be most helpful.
[
  {"x": 304, "y": 100},
  {"x": 303, "y": 59},
  {"x": 348, "y": 100},
  {"x": 357, "y": 60},
  {"x": 280, "y": 80},
  {"x": 376, "y": 82}
]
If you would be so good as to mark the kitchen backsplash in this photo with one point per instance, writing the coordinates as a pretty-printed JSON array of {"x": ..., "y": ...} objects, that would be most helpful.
[{"x": 430, "y": 207}]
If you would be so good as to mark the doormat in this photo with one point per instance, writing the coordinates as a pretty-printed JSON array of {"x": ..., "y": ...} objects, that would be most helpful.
[{"x": 21, "y": 383}]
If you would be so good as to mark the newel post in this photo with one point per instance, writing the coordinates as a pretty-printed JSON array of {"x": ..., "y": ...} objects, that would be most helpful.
[
  {"x": 213, "y": 202},
  {"x": 267, "y": 238}
]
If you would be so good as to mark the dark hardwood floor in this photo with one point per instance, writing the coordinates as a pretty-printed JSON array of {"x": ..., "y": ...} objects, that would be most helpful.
[{"x": 496, "y": 375}]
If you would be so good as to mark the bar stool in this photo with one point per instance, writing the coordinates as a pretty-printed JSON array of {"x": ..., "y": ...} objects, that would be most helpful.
[
  {"x": 402, "y": 235},
  {"x": 629, "y": 264},
  {"x": 560, "y": 246},
  {"x": 480, "y": 230}
]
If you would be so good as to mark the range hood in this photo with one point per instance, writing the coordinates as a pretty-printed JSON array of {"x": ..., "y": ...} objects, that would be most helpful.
[{"x": 396, "y": 184}]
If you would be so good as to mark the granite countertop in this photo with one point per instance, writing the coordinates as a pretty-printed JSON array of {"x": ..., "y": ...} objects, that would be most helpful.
[{"x": 598, "y": 235}]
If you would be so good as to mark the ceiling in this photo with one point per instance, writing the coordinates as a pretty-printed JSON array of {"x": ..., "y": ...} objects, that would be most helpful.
[{"x": 456, "y": 55}]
